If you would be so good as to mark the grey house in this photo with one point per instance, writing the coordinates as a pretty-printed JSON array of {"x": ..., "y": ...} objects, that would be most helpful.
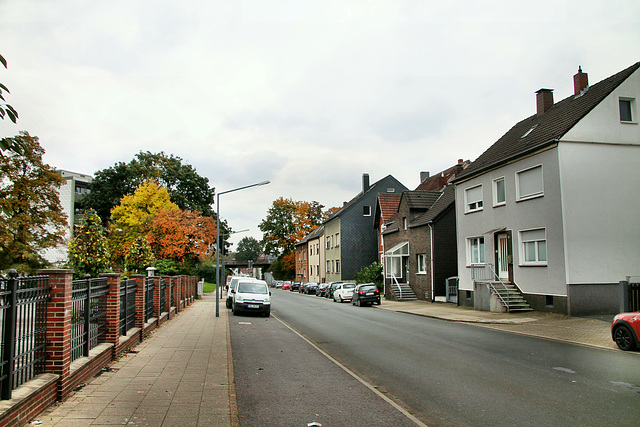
[
  {"x": 552, "y": 207},
  {"x": 351, "y": 241}
]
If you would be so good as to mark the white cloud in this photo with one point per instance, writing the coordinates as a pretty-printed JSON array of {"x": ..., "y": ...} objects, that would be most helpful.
[{"x": 309, "y": 94}]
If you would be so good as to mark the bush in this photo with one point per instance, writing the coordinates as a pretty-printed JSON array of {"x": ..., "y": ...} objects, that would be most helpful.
[{"x": 370, "y": 274}]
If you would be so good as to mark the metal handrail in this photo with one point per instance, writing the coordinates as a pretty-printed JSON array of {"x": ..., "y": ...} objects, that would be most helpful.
[
  {"x": 492, "y": 279},
  {"x": 393, "y": 276}
]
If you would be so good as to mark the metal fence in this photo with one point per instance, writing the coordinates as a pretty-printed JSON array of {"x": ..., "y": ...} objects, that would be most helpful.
[
  {"x": 23, "y": 318},
  {"x": 163, "y": 299},
  {"x": 88, "y": 315},
  {"x": 149, "y": 287},
  {"x": 634, "y": 296},
  {"x": 452, "y": 289},
  {"x": 127, "y": 305}
]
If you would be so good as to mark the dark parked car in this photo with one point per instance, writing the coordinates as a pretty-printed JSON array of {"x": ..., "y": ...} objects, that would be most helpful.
[
  {"x": 295, "y": 286},
  {"x": 322, "y": 288},
  {"x": 310, "y": 288},
  {"x": 303, "y": 287},
  {"x": 366, "y": 294},
  {"x": 625, "y": 330}
]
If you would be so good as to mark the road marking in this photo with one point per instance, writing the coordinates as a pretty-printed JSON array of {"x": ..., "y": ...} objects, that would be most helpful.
[
  {"x": 567, "y": 370},
  {"x": 354, "y": 375}
]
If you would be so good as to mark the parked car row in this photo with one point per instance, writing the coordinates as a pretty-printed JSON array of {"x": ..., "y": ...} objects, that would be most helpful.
[{"x": 363, "y": 294}]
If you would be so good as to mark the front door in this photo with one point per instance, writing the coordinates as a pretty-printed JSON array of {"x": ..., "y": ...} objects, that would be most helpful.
[{"x": 504, "y": 258}]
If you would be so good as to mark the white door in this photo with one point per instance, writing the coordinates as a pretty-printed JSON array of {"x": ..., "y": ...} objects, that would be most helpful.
[{"x": 503, "y": 256}]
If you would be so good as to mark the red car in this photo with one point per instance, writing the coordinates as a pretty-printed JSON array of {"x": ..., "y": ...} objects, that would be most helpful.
[
  {"x": 286, "y": 285},
  {"x": 625, "y": 330}
]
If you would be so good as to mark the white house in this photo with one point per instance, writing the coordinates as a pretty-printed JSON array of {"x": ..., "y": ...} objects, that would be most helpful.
[{"x": 553, "y": 205}]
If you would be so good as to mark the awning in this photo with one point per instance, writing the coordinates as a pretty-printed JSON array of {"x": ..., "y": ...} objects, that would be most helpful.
[{"x": 398, "y": 250}]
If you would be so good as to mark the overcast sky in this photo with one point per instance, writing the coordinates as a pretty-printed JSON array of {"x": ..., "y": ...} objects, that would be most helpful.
[{"x": 307, "y": 94}]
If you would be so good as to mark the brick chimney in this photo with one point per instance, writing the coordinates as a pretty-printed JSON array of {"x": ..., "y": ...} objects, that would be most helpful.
[
  {"x": 544, "y": 100},
  {"x": 580, "y": 82},
  {"x": 365, "y": 182}
]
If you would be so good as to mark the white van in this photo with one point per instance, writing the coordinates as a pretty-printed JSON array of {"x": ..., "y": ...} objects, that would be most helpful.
[{"x": 251, "y": 295}]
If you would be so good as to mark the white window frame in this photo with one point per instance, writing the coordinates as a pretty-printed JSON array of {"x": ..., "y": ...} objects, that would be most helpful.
[
  {"x": 366, "y": 210},
  {"x": 496, "y": 202},
  {"x": 481, "y": 259},
  {"x": 404, "y": 223},
  {"x": 337, "y": 266},
  {"x": 475, "y": 204},
  {"x": 337, "y": 240},
  {"x": 328, "y": 246},
  {"x": 632, "y": 108},
  {"x": 534, "y": 195},
  {"x": 421, "y": 260},
  {"x": 531, "y": 238},
  {"x": 328, "y": 266}
]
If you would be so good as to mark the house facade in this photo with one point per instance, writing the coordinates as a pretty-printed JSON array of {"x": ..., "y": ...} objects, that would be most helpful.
[
  {"x": 420, "y": 246},
  {"x": 551, "y": 206},
  {"x": 351, "y": 241},
  {"x": 302, "y": 261},
  {"x": 316, "y": 255}
]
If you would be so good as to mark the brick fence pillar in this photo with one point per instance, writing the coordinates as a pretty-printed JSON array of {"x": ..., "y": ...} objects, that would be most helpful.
[
  {"x": 59, "y": 326},
  {"x": 113, "y": 312},
  {"x": 140, "y": 301},
  {"x": 156, "y": 298},
  {"x": 167, "y": 295}
]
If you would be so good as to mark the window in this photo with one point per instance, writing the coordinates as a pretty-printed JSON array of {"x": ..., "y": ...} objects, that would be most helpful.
[
  {"x": 328, "y": 243},
  {"x": 337, "y": 266},
  {"x": 404, "y": 223},
  {"x": 627, "y": 107},
  {"x": 366, "y": 210},
  {"x": 422, "y": 263},
  {"x": 337, "y": 240},
  {"x": 328, "y": 266},
  {"x": 533, "y": 250},
  {"x": 391, "y": 190},
  {"x": 529, "y": 183},
  {"x": 475, "y": 250},
  {"x": 473, "y": 199},
  {"x": 499, "y": 192}
]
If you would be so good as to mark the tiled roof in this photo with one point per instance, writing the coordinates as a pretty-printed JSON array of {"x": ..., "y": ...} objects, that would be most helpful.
[
  {"x": 446, "y": 199},
  {"x": 546, "y": 128},
  {"x": 421, "y": 199},
  {"x": 440, "y": 180},
  {"x": 389, "y": 203}
]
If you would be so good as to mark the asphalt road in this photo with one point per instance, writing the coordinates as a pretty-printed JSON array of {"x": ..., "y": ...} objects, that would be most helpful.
[{"x": 446, "y": 373}]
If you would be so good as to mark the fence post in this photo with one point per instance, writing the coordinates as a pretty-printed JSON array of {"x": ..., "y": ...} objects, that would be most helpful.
[
  {"x": 140, "y": 301},
  {"x": 167, "y": 295},
  {"x": 623, "y": 286},
  {"x": 59, "y": 327},
  {"x": 156, "y": 299},
  {"x": 9, "y": 336},
  {"x": 113, "y": 312},
  {"x": 87, "y": 320}
]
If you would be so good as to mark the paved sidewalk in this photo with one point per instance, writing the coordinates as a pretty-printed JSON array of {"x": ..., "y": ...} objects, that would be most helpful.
[
  {"x": 180, "y": 376},
  {"x": 578, "y": 330}
]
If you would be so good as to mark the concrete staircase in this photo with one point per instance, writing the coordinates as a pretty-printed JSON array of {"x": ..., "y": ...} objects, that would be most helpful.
[
  {"x": 512, "y": 296},
  {"x": 403, "y": 292}
]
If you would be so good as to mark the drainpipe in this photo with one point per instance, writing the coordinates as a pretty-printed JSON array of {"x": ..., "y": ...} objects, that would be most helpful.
[{"x": 431, "y": 260}]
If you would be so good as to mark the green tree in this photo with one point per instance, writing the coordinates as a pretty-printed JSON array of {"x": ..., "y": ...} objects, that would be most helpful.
[
  {"x": 139, "y": 256},
  {"x": 186, "y": 188},
  {"x": 248, "y": 249},
  {"x": 88, "y": 251},
  {"x": 31, "y": 218}
]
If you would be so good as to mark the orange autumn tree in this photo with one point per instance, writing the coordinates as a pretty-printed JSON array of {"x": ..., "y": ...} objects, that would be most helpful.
[{"x": 182, "y": 235}]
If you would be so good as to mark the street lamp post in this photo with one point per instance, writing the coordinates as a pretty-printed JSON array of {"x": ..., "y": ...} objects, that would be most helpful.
[{"x": 218, "y": 238}]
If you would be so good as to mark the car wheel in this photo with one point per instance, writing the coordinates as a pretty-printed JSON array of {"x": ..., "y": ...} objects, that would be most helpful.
[
  {"x": 359, "y": 303},
  {"x": 623, "y": 337},
  {"x": 267, "y": 313},
  {"x": 234, "y": 310}
]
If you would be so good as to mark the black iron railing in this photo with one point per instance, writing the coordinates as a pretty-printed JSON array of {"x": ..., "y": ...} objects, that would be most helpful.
[
  {"x": 163, "y": 299},
  {"x": 88, "y": 315},
  {"x": 23, "y": 318},
  {"x": 149, "y": 287},
  {"x": 127, "y": 305}
]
